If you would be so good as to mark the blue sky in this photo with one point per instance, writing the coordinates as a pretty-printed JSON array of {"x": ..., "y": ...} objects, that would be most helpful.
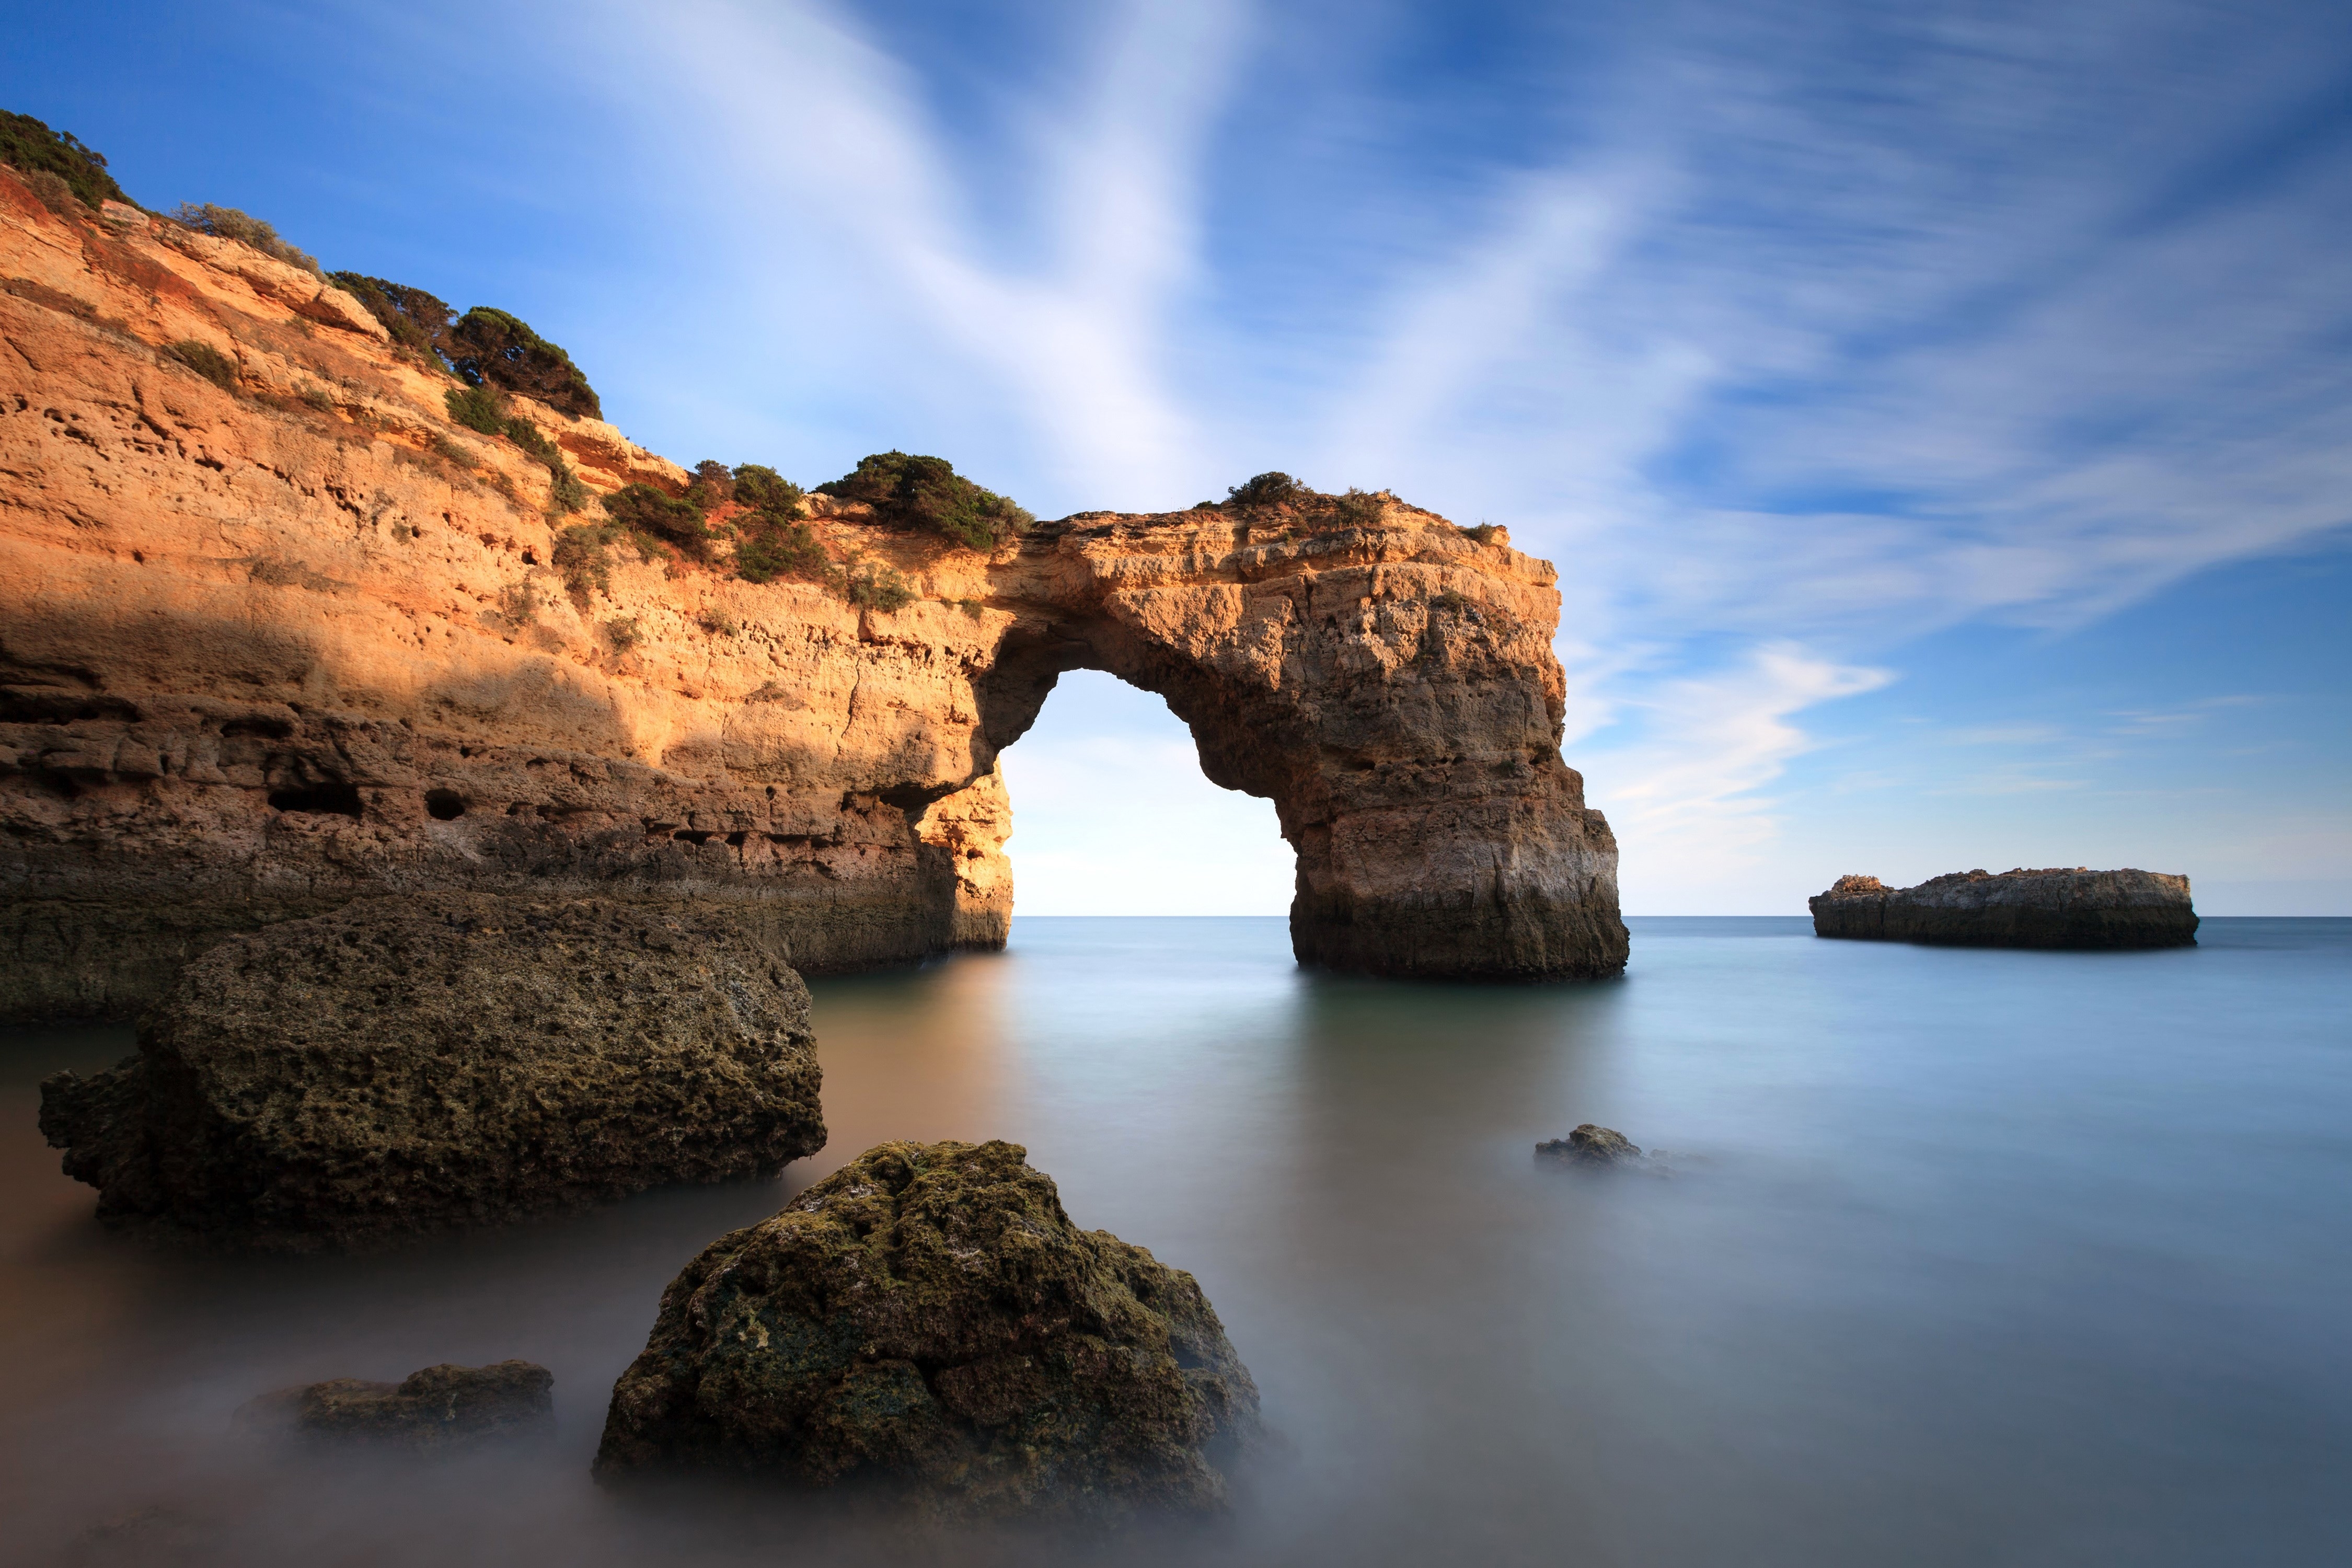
[{"x": 1941, "y": 415}]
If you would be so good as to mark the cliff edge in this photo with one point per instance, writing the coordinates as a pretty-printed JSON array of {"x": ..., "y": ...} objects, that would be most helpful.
[
  {"x": 2059, "y": 906},
  {"x": 277, "y": 632}
]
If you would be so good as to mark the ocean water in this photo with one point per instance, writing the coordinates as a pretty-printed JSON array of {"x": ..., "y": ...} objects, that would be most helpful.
[{"x": 1958, "y": 1257}]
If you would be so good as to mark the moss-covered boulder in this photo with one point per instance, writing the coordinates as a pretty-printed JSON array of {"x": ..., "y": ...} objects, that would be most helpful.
[
  {"x": 410, "y": 1064},
  {"x": 927, "y": 1320}
]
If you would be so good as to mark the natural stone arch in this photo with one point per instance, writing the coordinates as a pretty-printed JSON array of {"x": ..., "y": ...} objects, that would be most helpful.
[
  {"x": 259, "y": 658},
  {"x": 1390, "y": 689}
]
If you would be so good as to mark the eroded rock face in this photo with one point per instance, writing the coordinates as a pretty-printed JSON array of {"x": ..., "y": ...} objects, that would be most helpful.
[
  {"x": 928, "y": 1320},
  {"x": 444, "y": 1406},
  {"x": 410, "y": 1064},
  {"x": 2074, "y": 907},
  {"x": 269, "y": 649}
]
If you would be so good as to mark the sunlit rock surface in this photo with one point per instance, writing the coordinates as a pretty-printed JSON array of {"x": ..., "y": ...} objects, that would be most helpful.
[
  {"x": 267, "y": 650},
  {"x": 2059, "y": 907},
  {"x": 407, "y": 1065},
  {"x": 927, "y": 1319}
]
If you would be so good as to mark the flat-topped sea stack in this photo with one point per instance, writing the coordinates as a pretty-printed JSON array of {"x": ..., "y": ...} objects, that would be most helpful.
[
  {"x": 2059, "y": 907},
  {"x": 279, "y": 630}
]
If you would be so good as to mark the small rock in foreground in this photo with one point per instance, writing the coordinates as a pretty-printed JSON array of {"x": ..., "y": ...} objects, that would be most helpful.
[
  {"x": 409, "y": 1064},
  {"x": 1590, "y": 1145},
  {"x": 439, "y": 1407},
  {"x": 927, "y": 1319},
  {"x": 2052, "y": 908}
]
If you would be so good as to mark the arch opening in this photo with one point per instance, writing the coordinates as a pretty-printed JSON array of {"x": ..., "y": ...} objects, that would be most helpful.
[{"x": 1113, "y": 815}]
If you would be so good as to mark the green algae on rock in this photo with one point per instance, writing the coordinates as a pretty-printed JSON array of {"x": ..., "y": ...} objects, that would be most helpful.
[
  {"x": 928, "y": 1320},
  {"x": 410, "y": 1064}
]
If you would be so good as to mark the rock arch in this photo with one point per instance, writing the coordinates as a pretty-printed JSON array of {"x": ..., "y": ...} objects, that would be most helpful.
[
  {"x": 1390, "y": 689},
  {"x": 267, "y": 650}
]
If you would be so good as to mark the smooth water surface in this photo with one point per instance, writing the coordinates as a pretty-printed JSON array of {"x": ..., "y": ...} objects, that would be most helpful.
[{"x": 1965, "y": 1257}]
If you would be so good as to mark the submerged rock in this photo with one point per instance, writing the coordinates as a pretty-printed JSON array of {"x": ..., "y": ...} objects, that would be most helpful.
[
  {"x": 1590, "y": 1145},
  {"x": 928, "y": 1320},
  {"x": 408, "y": 1064},
  {"x": 2058, "y": 907},
  {"x": 441, "y": 1407}
]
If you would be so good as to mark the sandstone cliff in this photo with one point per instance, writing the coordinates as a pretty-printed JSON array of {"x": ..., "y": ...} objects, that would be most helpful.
[
  {"x": 2052, "y": 908},
  {"x": 268, "y": 646}
]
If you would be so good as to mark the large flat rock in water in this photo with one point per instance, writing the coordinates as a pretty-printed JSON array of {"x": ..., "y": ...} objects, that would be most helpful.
[
  {"x": 2076, "y": 908},
  {"x": 411, "y": 1064},
  {"x": 927, "y": 1322}
]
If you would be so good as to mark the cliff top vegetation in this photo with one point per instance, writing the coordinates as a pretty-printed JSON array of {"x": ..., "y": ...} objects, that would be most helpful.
[
  {"x": 928, "y": 495},
  {"x": 229, "y": 223},
  {"x": 27, "y": 144}
]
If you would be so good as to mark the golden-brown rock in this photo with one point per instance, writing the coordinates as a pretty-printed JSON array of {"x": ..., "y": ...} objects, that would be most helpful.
[{"x": 268, "y": 648}]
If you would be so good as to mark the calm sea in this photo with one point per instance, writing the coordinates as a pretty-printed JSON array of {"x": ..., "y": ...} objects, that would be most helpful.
[{"x": 1964, "y": 1257}]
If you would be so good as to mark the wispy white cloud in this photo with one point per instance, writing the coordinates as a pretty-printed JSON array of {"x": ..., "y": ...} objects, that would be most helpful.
[
  {"x": 1690, "y": 787},
  {"x": 1782, "y": 373},
  {"x": 1042, "y": 287}
]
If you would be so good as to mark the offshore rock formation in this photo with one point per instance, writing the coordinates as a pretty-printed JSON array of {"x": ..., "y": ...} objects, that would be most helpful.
[
  {"x": 927, "y": 1320},
  {"x": 270, "y": 646},
  {"x": 2052, "y": 908},
  {"x": 409, "y": 1064},
  {"x": 439, "y": 1408}
]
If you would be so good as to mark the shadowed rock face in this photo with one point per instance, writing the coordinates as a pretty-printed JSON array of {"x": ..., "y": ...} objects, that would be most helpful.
[
  {"x": 409, "y": 1065},
  {"x": 266, "y": 651},
  {"x": 2077, "y": 908},
  {"x": 927, "y": 1319}
]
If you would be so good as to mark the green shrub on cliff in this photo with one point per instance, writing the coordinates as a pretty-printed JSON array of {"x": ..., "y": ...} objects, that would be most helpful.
[
  {"x": 417, "y": 321},
  {"x": 486, "y": 348},
  {"x": 481, "y": 408},
  {"x": 27, "y": 144},
  {"x": 792, "y": 550},
  {"x": 584, "y": 557},
  {"x": 713, "y": 485},
  {"x": 205, "y": 361},
  {"x": 1273, "y": 488},
  {"x": 489, "y": 347},
  {"x": 476, "y": 408},
  {"x": 774, "y": 541},
  {"x": 642, "y": 509},
  {"x": 765, "y": 490},
  {"x": 926, "y": 493},
  {"x": 877, "y": 587},
  {"x": 228, "y": 222}
]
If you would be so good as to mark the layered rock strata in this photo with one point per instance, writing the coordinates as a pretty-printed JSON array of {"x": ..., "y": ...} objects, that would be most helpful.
[
  {"x": 441, "y": 1407},
  {"x": 2077, "y": 908},
  {"x": 270, "y": 646},
  {"x": 927, "y": 1321},
  {"x": 406, "y": 1064}
]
